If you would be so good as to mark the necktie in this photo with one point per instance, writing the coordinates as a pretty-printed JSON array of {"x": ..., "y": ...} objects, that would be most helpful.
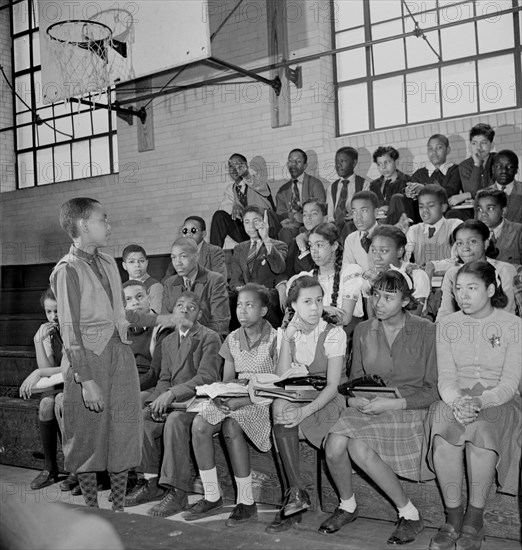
[
  {"x": 385, "y": 188},
  {"x": 492, "y": 238},
  {"x": 241, "y": 194},
  {"x": 340, "y": 209},
  {"x": 187, "y": 284},
  {"x": 104, "y": 279},
  {"x": 366, "y": 242},
  {"x": 437, "y": 177},
  {"x": 296, "y": 198},
  {"x": 431, "y": 232},
  {"x": 251, "y": 258}
]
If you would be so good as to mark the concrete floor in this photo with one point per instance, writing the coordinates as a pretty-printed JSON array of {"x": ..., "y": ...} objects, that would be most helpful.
[{"x": 137, "y": 530}]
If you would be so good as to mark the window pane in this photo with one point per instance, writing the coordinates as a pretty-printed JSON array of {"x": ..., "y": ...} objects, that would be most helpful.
[
  {"x": 21, "y": 53},
  {"x": 100, "y": 119},
  {"x": 44, "y": 162},
  {"x": 382, "y": 10},
  {"x": 100, "y": 157},
  {"x": 497, "y": 85},
  {"x": 20, "y": 17},
  {"x": 351, "y": 64},
  {"x": 495, "y": 33},
  {"x": 353, "y": 109},
  {"x": 25, "y": 170},
  {"x": 45, "y": 131},
  {"x": 458, "y": 41},
  {"x": 38, "y": 96},
  {"x": 451, "y": 13},
  {"x": 425, "y": 13},
  {"x": 23, "y": 118},
  {"x": 36, "y": 49},
  {"x": 82, "y": 124},
  {"x": 23, "y": 89},
  {"x": 459, "y": 92},
  {"x": 388, "y": 101},
  {"x": 81, "y": 159},
  {"x": 389, "y": 56},
  {"x": 422, "y": 96},
  {"x": 348, "y": 14},
  {"x": 417, "y": 49},
  {"x": 116, "y": 167},
  {"x": 63, "y": 124},
  {"x": 62, "y": 163},
  {"x": 35, "y": 15},
  {"x": 24, "y": 136}
]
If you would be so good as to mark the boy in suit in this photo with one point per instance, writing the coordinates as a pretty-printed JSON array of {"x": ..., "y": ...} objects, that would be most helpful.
[
  {"x": 340, "y": 193},
  {"x": 211, "y": 256},
  {"x": 292, "y": 194},
  {"x": 260, "y": 260},
  {"x": 505, "y": 168},
  {"x": 209, "y": 286},
  {"x": 490, "y": 208},
  {"x": 189, "y": 358}
]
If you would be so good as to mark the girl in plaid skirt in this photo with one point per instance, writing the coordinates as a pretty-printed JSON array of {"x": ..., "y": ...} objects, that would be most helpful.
[{"x": 385, "y": 436}]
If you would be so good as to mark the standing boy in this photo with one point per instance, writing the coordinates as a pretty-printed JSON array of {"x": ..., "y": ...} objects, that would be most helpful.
[
  {"x": 135, "y": 263},
  {"x": 505, "y": 168},
  {"x": 102, "y": 421}
]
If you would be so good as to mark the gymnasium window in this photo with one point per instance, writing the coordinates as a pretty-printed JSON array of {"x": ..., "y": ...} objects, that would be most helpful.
[
  {"x": 74, "y": 141},
  {"x": 468, "y": 62}
]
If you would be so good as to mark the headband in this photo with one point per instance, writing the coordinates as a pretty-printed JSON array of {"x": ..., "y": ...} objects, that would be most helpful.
[{"x": 409, "y": 281}]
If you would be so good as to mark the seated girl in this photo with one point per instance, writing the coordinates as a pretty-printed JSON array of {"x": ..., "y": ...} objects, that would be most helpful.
[
  {"x": 320, "y": 346},
  {"x": 249, "y": 350},
  {"x": 480, "y": 415},
  {"x": 387, "y": 250},
  {"x": 384, "y": 435},
  {"x": 472, "y": 244}
]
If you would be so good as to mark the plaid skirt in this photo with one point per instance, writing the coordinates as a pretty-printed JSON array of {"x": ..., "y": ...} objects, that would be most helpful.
[
  {"x": 316, "y": 427},
  {"x": 498, "y": 429},
  {"x": 396, "y": 436},
  {"x": 253, "y": 419}
]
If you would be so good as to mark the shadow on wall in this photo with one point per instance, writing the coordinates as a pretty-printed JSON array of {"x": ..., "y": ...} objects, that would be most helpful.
[{"x": 405, "y": 163}]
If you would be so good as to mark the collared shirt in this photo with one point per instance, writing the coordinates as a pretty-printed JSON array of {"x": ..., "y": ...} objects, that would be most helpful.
[
  {"x": 498, "y": 230},
  {"x": 351, "y": 191},
  {"x": 300, "y": 183},
  {"x": 443, "y": 168},
  {"x": 508, "y": 189},
  {"x": 354, "y": 253},
  {"x": 437, "y": 226}
]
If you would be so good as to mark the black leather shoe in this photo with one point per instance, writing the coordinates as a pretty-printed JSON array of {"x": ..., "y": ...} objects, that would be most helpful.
[
  {"x": 76, "y": 490},
  {"x": 296, "y": 500},
  {"x": 69, "y": 483},
  {"x": 470, "y": 538},
  {"x": 281, "y": 524},
  {"x": 406, "y": 531},
  {"x": 445, "y": 539},
  {"x": 201, "y": 509},
  {"x": 337, "y": 520},
  {"x": 170, "y": 504},
  {"x": 44, "y": 479},
  {"x": 242, "y": 513},
  {"x": 144, "y": 493}
]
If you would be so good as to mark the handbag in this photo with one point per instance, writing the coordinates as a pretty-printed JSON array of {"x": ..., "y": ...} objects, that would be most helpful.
[
  {"x": 314, "y": 380},
  {"x": 368, "y": 380}
]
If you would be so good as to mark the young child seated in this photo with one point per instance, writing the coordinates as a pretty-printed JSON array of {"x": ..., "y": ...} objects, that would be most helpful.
[
  {"x": 387, "y": 250},
  {"x": 189, "y": 358},
  {"x": 210, "y": 287},
  {"x": 491, "y": 207},
  {"x": 430, "y": 240},
  {"x": 473, "y": 244},
  {"x": 505, "y": 168},
  {"x": 259, "y": 260},
  {"x": 48, "y": 346},
  {"x": 384, "y": 436},
  {"x": 356, "y": 246},
  {"x": 339, "y": 194},
  {"x": 476, "y": 428},
  {"x": 247, "y": 351},
  {"x": 211, "y": 256},
  {"x": 391, "y": 182},
  {"x": 134, "y": 261}
]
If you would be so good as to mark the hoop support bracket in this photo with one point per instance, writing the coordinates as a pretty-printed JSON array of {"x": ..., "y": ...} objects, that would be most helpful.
[
  {"x": 275, "y": 83},
  {"x": 125, "y": 113}
]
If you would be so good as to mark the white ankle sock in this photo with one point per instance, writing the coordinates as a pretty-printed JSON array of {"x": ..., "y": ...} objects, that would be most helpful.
[
  {"x": 245, "y": 495},
  {"x": 210, "y": 484},
  {"x": 409, "y": 512},
  {"x": 348, "y": 505}
]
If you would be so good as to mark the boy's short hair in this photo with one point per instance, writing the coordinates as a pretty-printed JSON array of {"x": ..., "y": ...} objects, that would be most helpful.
[
  {"x": 497, "y": 195},
  {"x": 239, "y": 155},
  {"x": 323, "y": 207},
  {"x": 132, "y": 249},
  {"x": 262, "y": 293},
  {"x": 201, "y": 221},
  {"x": 192, "y": 296},
  {"x": 350, "y": 151},
  {"x": 482, "y": 129},
  {"x": 369, "y": 196},
  {"x": 47, "y": 294},
  {"x": 253, "y": 208},
  {"x": 435, "y": 190},
  {"x": 73, "y": 210},
  {"x": 186, "y": 243},
  {"x": 441, "y": 138},
  {"x": 305, "y": 156},
  {"x": 511, "y": 155},
  {"x": 134, "y": 282},
  {"x": 385, "y": 150}
]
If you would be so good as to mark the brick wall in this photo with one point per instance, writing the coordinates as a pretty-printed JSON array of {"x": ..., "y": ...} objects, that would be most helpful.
[{"x": 196, "y": 131}]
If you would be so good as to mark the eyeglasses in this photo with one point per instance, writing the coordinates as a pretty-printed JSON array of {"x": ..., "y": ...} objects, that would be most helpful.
[{"x": 192, "y": 230}]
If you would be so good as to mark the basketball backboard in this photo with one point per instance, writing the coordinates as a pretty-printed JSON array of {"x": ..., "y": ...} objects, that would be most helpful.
[{"x": 87, "y": 46}]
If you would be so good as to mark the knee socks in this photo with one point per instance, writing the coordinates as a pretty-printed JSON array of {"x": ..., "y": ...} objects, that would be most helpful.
[
  {"x": 287, "y": 440},
  {"x": 118, "y": 489},
  {"x": 89, "y": 487},
  {"x": 49, "y": 435},
  {"x": 454, "y": 516},
  {"x": 474, "y": 517}
]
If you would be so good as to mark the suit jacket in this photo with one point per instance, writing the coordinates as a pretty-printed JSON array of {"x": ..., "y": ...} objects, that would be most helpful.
[
  {"x": 268, "y": 269},
  {"x": 395, "y": 187},
  {"x": 211, "y": 257},
  {"x": 312, "y": 188},
  {"x": 510, "y": 243},
  {"x": 450, "y": 182},
  {"x": 193, "y": 362},
  {"x": 212, "y": 290},
  {"x": 514, "y": 202}
]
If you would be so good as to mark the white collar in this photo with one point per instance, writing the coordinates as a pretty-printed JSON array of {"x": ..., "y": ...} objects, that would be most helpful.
[
  {"x": 508, "y": 189},
  {"x": 443, "y": 168},
  {"x": 300, "y": 179},
  {"x": 369, "y": 232},
  {"x": 183, "y": 333},
  {"x": 498, "y": 230},
  {"x": 437, "y": 226},
  {"x": 350, "y": 179}
]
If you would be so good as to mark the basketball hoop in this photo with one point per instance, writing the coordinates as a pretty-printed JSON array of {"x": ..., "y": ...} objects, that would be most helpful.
[{"x": 81, "y": 48}]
